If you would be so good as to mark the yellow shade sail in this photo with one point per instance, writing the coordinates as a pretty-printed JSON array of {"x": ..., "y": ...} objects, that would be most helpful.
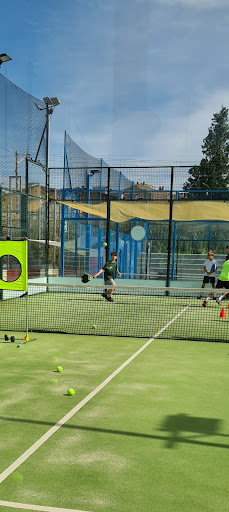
[{"x": 121, "y": 211}]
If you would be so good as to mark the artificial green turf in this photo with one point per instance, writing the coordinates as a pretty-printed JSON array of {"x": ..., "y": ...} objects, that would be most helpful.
[
  {"x": 33, "y": 392},
  {"x": 10, "y": 509},
  {"x": 131, "y": 314},
  {"x": 156, "y": 438}
]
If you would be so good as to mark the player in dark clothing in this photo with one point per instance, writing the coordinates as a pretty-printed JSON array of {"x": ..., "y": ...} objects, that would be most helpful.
[
  {"x": 227, "y": 249},
  {"x": 109, "y": 270}
]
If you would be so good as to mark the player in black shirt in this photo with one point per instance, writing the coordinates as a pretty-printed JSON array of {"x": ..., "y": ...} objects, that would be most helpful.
[{"x": 109, "y": 270}]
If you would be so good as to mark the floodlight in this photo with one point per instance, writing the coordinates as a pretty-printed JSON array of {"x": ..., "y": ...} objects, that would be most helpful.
[
  {"x": 4, "y": 58},
  {"x": 55, "y": 101},
  {"x": 51, "y": 102},
  {"x": 47, "y": 101}
]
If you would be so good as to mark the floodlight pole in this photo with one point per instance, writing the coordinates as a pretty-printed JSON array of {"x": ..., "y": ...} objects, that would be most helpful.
[
  {"x": 108, "y": 215},
  {"x": 50, "y": 104},
  {"x": 3, "y": 58}
]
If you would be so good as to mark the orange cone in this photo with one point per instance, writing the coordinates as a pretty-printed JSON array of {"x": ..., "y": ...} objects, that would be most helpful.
[{"x": 222, "y": 313}]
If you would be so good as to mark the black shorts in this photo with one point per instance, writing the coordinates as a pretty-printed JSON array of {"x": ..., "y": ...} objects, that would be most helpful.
[
  {"x": 208, "y": 279},
  {"x": 222, "y": 284}
]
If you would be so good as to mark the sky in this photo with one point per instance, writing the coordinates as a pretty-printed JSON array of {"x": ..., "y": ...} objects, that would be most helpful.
[{"x": 137, "y": 79}]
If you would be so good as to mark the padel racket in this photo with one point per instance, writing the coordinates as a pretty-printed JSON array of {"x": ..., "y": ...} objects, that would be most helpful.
[
  {"x": 213, "y": 267},
  {"x": 86, "y": 278}
]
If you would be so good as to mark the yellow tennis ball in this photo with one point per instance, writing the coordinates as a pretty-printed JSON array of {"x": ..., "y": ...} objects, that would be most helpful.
[
  {"x": 94, "y": 326},
  {"x": 71, "y": 392},
  {"x": 59, "y": 369},
  {"x": 105, "y": 244}
]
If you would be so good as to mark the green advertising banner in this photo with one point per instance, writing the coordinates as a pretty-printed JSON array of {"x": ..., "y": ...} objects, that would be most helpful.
[{"x": 14, "y": 265}]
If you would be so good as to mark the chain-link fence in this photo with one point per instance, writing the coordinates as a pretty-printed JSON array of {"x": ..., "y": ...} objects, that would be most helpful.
[{"x": 66, "y": 241}]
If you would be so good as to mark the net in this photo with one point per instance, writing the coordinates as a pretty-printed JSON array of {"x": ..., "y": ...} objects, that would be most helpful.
[
  {"x": 136, "y": 312},
  {"x": 21, "y": 128}
]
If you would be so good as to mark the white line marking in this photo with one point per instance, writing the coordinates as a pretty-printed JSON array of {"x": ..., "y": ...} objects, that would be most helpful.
[
  {"x": 79, "y": 406},
  {"x": 11, "y": 504}
]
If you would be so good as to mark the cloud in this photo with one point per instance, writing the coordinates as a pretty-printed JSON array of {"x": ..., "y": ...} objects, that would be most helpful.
[
  {"x": 158, "y": 138},
  {"x": 199, "y": 4},
  {"x": 134, "y": 89},
  {"x": 182, "y": 137}
]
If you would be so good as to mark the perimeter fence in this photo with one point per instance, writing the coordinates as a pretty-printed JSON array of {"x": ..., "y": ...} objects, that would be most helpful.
[
  {"x": 68, "y": 241},
  {"x": 23, "y": 178},
  {"x": 173, "y": 248}
]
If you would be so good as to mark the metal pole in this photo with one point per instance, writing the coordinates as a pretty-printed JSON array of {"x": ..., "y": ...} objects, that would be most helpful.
[
  {"x": 1, "y": 268},
  {"x": 62, "y": 249},
  {"x": 27, "y": 315},
  {"x": 209, "y": 236},
  {"x": 170, "y": 230},
  {"x": 173, "y": 251},
  {"x": 108, "y": 215},
  {"x": 177, "y": 251},
  {"x": 24, "y": 203},
  {"x": 100, "y": 181},
  {"x": 88, "y": 226},
  {"x": 47, "y": 195},
  {"x": 26, "y": 176}
]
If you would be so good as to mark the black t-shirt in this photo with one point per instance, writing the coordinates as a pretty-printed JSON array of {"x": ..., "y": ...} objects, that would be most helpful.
[{"x": 109, "y": 270}]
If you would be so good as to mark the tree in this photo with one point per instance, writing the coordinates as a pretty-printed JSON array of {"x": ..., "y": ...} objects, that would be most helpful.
[{"x": 213, "y": 171}]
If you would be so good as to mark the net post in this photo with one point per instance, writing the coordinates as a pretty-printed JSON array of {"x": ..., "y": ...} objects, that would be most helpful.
[{"x": 27, "y": 315}]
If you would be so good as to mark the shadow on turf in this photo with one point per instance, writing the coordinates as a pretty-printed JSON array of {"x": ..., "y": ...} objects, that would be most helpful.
[
  {"x": 175, "y": 425},
  {"x": 183, "y": 423}
]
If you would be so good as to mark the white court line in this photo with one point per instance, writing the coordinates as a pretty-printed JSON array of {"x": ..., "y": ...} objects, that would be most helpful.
[
  {"x": 24, "y": 506},
  {"x": 79, "y": 406}
]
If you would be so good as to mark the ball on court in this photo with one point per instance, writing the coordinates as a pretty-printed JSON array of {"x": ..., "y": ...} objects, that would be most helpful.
[
  {"x": 105, "y": 244},
  {"x": 71, "y": 392},
  {"x": 59, "y": 369},
  {"x": 94, "y": 326}
]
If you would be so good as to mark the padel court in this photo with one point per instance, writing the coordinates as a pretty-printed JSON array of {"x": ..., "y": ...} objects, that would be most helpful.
[{"x": 155, "y": 437}]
